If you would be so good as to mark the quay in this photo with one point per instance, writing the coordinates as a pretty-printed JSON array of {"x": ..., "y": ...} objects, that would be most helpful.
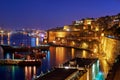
[
  {"x": 10, "y": 55},
  {"x": 20, "y": 62},
  {"x": 8, "y": 48},
  {"x": 9, "y": 52}
]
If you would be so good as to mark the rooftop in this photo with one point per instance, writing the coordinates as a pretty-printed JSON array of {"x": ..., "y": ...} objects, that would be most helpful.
[
  {"x": 61, "y": 74},
  {"x": 81, "y": 62}
]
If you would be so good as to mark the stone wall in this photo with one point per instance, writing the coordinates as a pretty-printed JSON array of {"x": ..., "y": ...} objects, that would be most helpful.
[{"x": 109, "y": 48}]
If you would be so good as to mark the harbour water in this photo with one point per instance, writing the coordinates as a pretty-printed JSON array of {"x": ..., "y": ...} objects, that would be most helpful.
[{"x": 54, "y": 57}]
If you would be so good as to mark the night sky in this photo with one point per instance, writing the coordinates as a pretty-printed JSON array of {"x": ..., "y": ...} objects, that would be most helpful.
[{"x": 46, "y": 14}]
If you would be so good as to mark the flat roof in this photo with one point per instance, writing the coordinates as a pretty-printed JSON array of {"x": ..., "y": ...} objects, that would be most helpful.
[
  {"x": 81, "y": 62},
  {"x": 59, "y": 74}
]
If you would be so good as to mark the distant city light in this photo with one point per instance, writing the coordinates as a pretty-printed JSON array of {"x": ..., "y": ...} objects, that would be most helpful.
[
  {"x": 66, "y": 67},
  {"x": 68, "y": 29},
  {"x": 42, "y": 35},
  {"x": 54, "y": 41},
  {"x": 102, "y": 34}
]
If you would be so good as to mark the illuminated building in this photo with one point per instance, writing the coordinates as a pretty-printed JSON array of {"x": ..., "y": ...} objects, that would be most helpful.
[
  {"x": 62, "y": 37},
  {"x": 73, "y": 35},
  {"x": 69, "y": 33}
]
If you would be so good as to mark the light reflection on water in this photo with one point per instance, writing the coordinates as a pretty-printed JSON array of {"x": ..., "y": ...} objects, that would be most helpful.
[
  {"x": 11, "y": 73},
  {"x": 54, "y": 57},
  {"x": 30, "y": 72},
  {"x": 104, "y": 66}
]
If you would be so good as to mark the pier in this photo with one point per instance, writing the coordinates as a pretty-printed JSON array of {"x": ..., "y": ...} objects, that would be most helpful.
[
  {"x": 20, "y": 62},
  {"x": 8, "y": 48},
  {"x": 9, "y": 53}
]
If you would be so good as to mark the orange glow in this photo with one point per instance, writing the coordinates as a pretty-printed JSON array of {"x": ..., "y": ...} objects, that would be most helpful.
[
  {"x": 37, "y": 41},
  {"x": 60, "y": 51},
  {"x": 60, "y": 34},
  {"x": 95, "y": 51},
  {"x": 54, "y": 42},
  {"x": 30, "y": 72},
  {"x": 96, "y": 29},
  {"x": 73, "y": 52},
  {"x": 84, "y": 54},
  {"x": 34, "y": 70},
  {"x": 102, "y": 34},
  {"x": 108, "y": 48},
  {"x": 73, "y": 43},
  {"x": 26, "y": 71},
  {"x": 84, "y": 45},
  {"x": 45, "y": 41}
]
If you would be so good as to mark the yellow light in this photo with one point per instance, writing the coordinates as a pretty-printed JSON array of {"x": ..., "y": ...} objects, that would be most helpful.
[
  {"x": 34, "y": 70},
  {"x": 85, "y": 45},
  {"x": 60, "y": 54},
  {"x": 66, "y": 67},
  {"x": 26, "y": 70},
  {"x": 88, "y": 22},
  {"x": 95, "y": 50},
  {"x": 96, "y": 29},
  {"x": 84, "y": 54},
  {"x": 54, "y": 41},
  {"x": 72, "y": 43},
  {"x": 45, "y": 41},
  {"x": 73, "y": 52},
  {"x": 37, "y": 41},
  {"x": 102, "y": 34}
]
